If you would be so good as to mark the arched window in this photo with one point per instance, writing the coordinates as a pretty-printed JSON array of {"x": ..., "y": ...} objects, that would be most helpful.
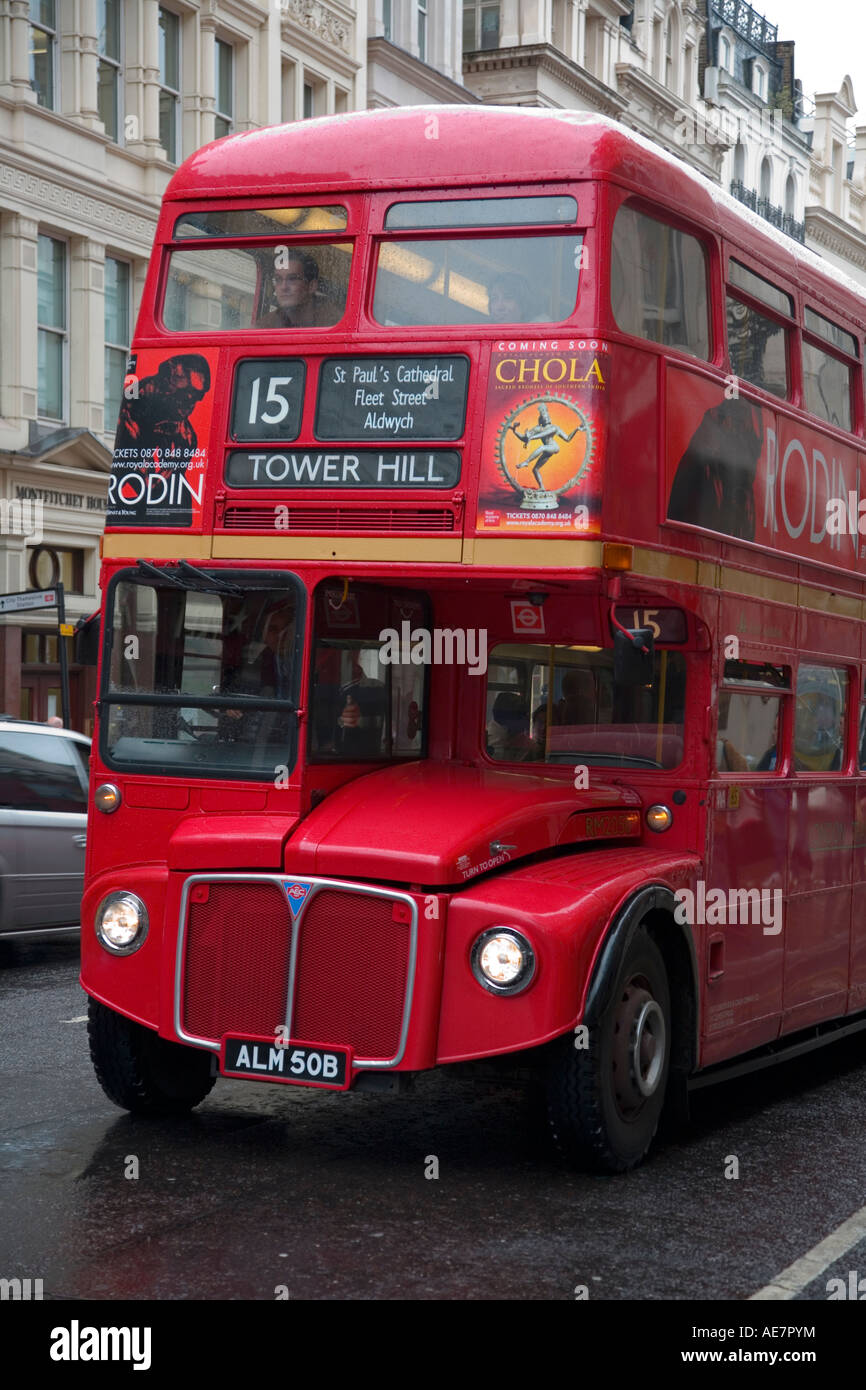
[
  {"x": 766, "y": 177},
  {"x": 673, "y": 47},
  {"x": 790, "y": 195},
  {"x": 740, "y": 163},
  {"x": 759, "y": 81},
  {"x": 725, "y": 53}
]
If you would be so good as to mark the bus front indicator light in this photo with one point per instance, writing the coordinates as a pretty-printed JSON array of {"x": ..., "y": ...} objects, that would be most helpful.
[
  {"x": 121, "y": 923},
  {"x": 503, "y": 961},
  {"x": 107, "y": 797},
  {"x": 659, "y": 818}
]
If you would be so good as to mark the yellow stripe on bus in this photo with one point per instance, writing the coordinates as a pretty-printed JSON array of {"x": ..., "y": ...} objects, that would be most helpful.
[{"x": 512, "y": 553}]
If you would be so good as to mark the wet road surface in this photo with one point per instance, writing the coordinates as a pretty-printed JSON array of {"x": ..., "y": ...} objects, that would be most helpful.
[{"x": 268, "y": 1191}]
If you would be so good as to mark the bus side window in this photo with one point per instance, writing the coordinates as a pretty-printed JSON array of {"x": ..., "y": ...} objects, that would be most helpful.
[
  {"x": 819, "y": 719},
  {"x": 658, "y": 283},
  {"x": 748, "y": 737}
]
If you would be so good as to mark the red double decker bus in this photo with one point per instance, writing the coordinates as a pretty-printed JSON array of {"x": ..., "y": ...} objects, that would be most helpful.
[{"x": 482, "y": 642}]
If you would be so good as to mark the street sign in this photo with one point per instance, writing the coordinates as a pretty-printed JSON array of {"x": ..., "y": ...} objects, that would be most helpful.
[{"x": 34, "y": 598}]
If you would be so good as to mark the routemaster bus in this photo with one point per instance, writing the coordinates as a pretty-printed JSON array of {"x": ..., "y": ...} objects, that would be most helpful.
[{"x": 482, "y": 644}]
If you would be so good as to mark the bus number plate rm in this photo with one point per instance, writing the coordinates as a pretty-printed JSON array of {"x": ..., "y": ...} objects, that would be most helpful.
[{"x": 298, "y": 1064}]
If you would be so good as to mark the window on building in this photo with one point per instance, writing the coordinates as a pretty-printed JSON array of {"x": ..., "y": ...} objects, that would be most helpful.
[
  {"x": 43, "y": 51},
  {"x": 225, "y": 96},
  {"x": 422, "y": 30},
  {"x": 117, "y": 320},
  {"x": 740, "y": 163},
  {"x": 480, "y": 25},
  {"x": 41, "y": 575},
  {"x": 766, "y": 178},
  {"x": 109, "y": 79},
  {"x": 725, "y": 53},
  {"x": 309, "y": 101},
  {"x": 169, "y": 84},
  {"x": 658, "y": 283},
  {"x": 387, "y": 19},
  {"x": 759, "y": 81},
  {"x": 52, "y": 328}
]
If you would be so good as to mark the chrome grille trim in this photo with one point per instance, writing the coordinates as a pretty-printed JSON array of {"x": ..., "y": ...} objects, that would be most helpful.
[{"x": 296, "y": 923}]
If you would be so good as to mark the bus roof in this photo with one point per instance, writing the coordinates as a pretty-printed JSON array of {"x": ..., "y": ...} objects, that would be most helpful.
[{"x": 454, "y": 146}]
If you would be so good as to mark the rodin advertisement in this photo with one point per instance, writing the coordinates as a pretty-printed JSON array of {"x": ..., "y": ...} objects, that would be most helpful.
[
  {"x": 160, "y": 449},
  {"x": 742, "y": 470}
]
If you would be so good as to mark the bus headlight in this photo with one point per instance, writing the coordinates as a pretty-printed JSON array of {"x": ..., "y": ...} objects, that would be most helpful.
[
  {"x": 121, "y": 923},
  {"x": 503, "y": 960}
]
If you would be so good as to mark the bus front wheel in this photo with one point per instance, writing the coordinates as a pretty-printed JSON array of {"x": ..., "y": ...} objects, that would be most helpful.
[
  {"x": 605, "y": 1099},
  {"x": 142, "y": 1072}
]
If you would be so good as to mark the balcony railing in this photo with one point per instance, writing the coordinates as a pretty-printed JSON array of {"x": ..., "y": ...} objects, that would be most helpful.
[
  {"x": 744, "y": 20},
  {"x": 785, "y": 221}
]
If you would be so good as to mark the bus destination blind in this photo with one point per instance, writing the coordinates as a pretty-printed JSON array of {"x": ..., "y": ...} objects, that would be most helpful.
[
  {"x": 363, "y": 398},
  {"x": 371, "y": 468}
]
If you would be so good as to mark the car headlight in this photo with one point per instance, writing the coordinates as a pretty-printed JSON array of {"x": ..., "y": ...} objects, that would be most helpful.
[
  {"x": 121, "y": 923},
  {"x": 503, "y": 960}
]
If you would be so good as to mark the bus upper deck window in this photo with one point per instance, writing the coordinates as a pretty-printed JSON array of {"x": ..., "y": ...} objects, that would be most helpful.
[
  {"x": 658, "y": 283},
  {"x": 478, "y": 280},
  {"x": 220, "y": 288},
  {"x": 757, "y": 344}
]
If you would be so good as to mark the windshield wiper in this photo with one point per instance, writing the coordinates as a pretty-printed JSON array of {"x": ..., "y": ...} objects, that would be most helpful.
[
  {"x": 197, "y": 581},
  {"x": 222, "y": 586}
]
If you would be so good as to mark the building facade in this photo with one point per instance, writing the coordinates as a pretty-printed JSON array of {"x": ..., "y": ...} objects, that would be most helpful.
[{"x": 101, "y": 99}]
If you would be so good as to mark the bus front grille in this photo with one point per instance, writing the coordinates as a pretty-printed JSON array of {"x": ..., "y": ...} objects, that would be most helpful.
[
  {"x": 352, "y": 968},
  {"x": 236, "y": 967},
  {"x": 350, "y": 984}
]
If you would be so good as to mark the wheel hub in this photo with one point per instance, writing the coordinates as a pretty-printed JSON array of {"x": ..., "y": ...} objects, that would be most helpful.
[{"x": 639, "y": 1048}]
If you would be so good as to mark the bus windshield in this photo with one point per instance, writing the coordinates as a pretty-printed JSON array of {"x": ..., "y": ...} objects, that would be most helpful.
[{"x": 203, "y": 675}]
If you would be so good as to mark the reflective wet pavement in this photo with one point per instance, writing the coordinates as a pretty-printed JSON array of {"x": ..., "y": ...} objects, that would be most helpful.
[{"x": 268, "y": 1191}]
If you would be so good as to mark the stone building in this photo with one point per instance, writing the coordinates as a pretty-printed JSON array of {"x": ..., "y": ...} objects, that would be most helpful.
[{"x": 101, "y": 99}]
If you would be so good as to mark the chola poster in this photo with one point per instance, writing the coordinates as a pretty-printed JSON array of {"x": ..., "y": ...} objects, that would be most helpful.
[{"x": 544, "y": 438}]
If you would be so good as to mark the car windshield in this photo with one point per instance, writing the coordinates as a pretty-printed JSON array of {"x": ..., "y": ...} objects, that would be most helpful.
[{"x": 199, "y": 681}]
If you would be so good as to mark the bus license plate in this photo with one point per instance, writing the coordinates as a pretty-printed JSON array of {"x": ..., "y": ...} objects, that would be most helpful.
[{"x": 297, "y": 1063}]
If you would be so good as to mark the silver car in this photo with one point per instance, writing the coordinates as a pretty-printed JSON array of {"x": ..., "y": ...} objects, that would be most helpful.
[{"x": 43, "y": 826}]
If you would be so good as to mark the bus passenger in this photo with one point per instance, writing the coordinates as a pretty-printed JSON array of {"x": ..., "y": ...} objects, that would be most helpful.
[
  {"x": 509, "y": 300},
  {"x": 818, "y": 735},
  {"x": 300, "y": 303},
  {"x": 511, "y": 713}
]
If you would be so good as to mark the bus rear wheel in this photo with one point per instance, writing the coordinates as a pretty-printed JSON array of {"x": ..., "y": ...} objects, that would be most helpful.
[
  {"x": 605, "y": 1100},
  {"x": 142, "y": 1072}
]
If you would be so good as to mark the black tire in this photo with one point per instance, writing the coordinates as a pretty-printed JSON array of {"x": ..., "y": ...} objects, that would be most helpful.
[
  {"x": 604, "y": 1101},
  {"x": 142, "y": 1072}
]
